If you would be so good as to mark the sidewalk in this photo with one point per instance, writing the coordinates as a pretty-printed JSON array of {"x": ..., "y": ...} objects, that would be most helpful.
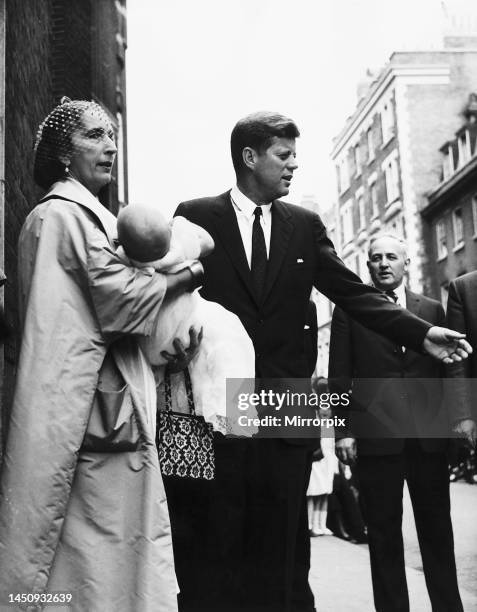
[
  {"x": 341, "y": 581},
  {"x": 340, "y": 576}
]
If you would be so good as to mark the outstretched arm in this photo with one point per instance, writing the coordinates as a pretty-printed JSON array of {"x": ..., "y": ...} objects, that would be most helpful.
[{"x": 373, "y": 310}]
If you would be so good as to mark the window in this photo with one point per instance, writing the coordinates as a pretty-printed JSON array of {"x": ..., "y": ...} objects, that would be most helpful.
[
  {"x": 458, "y": 227},
  {"x": 363, "y": 265},
  {"x": 391, "y": 177},
  {"x": 357, "y": 159},
  {"x": 338, "y": 178},
  {"x": 463, "y": 147},
  {"x": 343, "y": 175},
  {"x": 474, "y": 215},
  {"x": 351, "y": 263},
  {"x": 387, "y": 121},
  {"x": 444, "y": 295},
  {"x": 332, "y": 235},
  {"x": 448, "y": 163},
  {"x": 361, "y": 212},
  {"x": 441, "y": 239},
  {"x": 369, "y": 138},
  {"x": 396, "y": 226},
  {"x": 374, "y": 200},
  {"x": 347, "y": 222}
]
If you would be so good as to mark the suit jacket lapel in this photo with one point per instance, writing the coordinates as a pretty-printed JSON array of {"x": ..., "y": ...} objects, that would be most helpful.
[
  {"x": 413, "y": 302},
  {"x": 229, "y": 234},
  {"x": 282, "y": 229}
]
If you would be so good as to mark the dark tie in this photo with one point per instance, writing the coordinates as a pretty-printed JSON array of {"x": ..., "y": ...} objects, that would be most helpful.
[
  {"x": 394, "y": 298},
  {"x": 259, "y": 254},
  {"x": 392, "y": 295}
]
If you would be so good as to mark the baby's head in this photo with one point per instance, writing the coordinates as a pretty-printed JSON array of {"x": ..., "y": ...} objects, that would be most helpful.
[{"x": 143, "y": 232}]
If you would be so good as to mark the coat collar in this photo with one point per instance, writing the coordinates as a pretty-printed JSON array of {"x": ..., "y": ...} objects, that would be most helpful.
[{"x": 73, "y": 190}]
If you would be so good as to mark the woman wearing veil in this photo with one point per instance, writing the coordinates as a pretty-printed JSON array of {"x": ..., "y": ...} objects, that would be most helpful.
[{"x": 82, "y": 504}]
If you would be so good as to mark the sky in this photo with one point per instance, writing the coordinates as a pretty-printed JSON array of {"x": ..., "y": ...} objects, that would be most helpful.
[{"x": 194, "y": 67}]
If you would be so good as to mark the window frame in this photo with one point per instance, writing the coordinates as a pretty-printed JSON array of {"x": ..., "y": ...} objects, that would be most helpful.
[
  {"x": 458, "y": 244},
  {"x": 441, "y": 239}
]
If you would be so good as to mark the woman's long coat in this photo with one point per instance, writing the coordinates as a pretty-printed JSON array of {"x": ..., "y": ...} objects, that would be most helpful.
[{"x": 95, "y": 525}]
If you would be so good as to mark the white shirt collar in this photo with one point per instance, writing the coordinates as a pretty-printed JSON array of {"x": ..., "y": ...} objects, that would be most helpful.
[
  {"x": 401, "y": 293},
  {"x": 246, "y": 206}
]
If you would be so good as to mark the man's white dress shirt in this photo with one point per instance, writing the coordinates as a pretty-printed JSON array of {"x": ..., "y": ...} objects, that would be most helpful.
[{"x": 244, "y": 209}]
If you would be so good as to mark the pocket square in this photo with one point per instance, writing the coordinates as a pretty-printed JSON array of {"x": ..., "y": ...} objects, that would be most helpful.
[
  {"x": 307, "y": 327},
  {"x": 299, "y": 260}
]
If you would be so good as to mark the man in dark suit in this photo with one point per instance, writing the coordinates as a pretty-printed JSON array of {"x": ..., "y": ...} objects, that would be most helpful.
[
  {"x": 462, "y": 391},
  {"x": 268, "y": 255},
  {"x": 400, "y": 414}
]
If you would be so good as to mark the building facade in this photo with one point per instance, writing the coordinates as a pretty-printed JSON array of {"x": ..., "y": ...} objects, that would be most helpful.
[
  {"x": 48, "y": 49},
  {"x": 387, "y": 155},
  {"x": 450, "y": 217},
  {"x": 324, "y": 308}
]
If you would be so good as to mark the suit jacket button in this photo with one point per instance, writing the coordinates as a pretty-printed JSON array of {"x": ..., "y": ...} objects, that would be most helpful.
[{"x": 260, "y": 321}]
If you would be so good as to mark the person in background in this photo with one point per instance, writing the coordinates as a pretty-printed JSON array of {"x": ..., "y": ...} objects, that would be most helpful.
[
  {"x": 323, "y": 469},
  {"x": 395, "y": 444},
  {"x": 345, "y": 516},
  {"x": 461, "y": 314}
]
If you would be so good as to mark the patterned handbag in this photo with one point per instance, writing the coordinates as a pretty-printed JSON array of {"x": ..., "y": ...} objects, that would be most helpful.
[{"x": 184, "y": 441}]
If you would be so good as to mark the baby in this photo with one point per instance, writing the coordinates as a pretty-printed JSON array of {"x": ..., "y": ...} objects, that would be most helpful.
[{"x": 226, "y": 350}]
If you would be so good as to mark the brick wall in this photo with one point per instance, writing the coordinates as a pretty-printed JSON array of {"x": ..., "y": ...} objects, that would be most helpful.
[
  {"x": 51, "y": 50},
  {"x": 71, "y": 61},
  {"x": 464, "y": 259},
  {"x": 435, "y": 113},
  {"x": 27, "y": 100}
]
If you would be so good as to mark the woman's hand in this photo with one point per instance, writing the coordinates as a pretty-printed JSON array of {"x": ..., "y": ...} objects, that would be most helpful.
[{"x": 183, "y": 356}]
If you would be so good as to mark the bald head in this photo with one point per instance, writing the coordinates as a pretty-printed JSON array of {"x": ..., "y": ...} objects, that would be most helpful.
[
  {"x": 387, "y": 261},
  {"x": 143, "y": 232},
  {"x": 398, "y": 242}
]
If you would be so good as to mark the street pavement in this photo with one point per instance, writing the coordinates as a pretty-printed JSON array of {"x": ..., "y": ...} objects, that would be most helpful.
[{"x": 340, "y": 576}]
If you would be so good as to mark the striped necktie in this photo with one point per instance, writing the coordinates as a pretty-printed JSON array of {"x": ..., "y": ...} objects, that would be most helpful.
[{"x": 391, "y": 294}]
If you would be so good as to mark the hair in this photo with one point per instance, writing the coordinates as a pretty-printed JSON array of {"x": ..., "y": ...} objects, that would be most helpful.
[
  {"x": 54, "y": 139},
  {"x": 143, "y": 232},
  {"x": 257, "y": 131},
  {"x": 387, "y": 235}
]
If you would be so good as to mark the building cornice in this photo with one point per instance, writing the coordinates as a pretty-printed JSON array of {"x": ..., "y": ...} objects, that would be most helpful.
[
  {"x": 446, "y": 188},
  {"x": 417, "y": 72}
]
